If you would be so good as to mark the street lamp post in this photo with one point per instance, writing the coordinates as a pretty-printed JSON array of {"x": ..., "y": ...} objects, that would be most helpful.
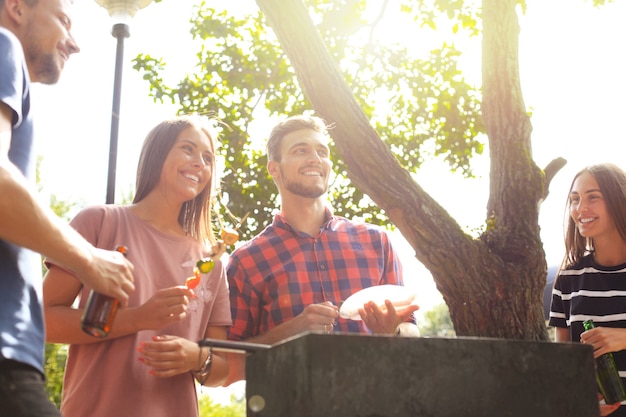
[
  {"x": 120, "y": 31},
  {"x": 121, "y": 11}
]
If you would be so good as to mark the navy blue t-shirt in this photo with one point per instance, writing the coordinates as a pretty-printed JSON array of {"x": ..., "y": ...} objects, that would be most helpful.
[{"x": 21, "y": 316}]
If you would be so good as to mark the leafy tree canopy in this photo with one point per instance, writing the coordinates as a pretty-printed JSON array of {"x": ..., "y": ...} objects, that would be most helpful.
[{"x": 420, "y": 103}]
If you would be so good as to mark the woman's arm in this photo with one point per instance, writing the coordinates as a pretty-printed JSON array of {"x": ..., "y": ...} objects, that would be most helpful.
[
  {"x": 61, "y": 288},
  {"x": 561, "y": 334},
  {"x": 219, "y": 366},
  {"x": 167, "y": 356}
]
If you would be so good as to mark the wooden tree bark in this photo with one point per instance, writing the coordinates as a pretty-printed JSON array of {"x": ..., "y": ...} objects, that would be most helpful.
[{"x": 493, "y": 285}]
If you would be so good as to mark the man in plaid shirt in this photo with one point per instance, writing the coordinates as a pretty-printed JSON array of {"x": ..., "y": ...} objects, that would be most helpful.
[{"x": 292, "y": 277}]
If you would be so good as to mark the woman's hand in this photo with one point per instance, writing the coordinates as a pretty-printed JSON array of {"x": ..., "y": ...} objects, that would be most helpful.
[
  {"x": 167, "y": 356},
  {"x": 606, "y": 409},
  {"x": 604, "y": 340},
  {"x": 165, "y": 307}
]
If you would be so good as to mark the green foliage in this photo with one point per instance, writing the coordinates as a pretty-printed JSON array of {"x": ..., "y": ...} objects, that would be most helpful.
[
  {"x": 463, "y": 14},
  {"x": 127, "y": 197},
  {"x": 61, "y": 208},
  {"x": 210, "y": 408},
  {"x": 421, "y": 105},
  {"x": 436, "y": 322},
  {"x": 54, "y": 365},
  {"x": 599, "y": 3},
  {"x": 55, "y": 355}
]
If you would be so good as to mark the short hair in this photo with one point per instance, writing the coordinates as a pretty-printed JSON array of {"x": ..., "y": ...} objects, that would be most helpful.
[
  {"x": 612, "y": 182},
  {"x": 29, "y": 3},
  {"x": 291, "y": 124},
  {"x": 195, "y": 215}
]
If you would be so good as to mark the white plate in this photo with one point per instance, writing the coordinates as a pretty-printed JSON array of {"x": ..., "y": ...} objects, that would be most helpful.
[{"x": 398, "y": 295}]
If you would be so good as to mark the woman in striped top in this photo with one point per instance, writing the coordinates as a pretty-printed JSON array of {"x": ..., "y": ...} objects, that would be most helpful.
[{"x": 592, "y": 281}]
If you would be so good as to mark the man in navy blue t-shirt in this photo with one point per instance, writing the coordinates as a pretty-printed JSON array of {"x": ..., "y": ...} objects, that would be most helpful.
[{"x": 35, "y": 42}]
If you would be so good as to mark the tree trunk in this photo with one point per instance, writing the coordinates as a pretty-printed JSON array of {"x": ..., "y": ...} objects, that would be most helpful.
[{"x": 494, "y": 285}]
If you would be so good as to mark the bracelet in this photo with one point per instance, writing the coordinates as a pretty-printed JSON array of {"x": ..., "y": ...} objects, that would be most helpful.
[{"x": 204, "y": 369}]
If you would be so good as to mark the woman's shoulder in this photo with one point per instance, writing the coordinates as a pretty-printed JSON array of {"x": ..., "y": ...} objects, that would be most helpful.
[
  {"x": 98, "y": 214},
  {"x": 584, "y": 262},
  {"x": 589, "y": 263},
  {"x": 102, "y": 210},
  {"x": 587, "y": 269}
]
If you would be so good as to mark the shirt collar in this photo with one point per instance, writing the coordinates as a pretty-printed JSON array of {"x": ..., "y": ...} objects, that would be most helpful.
[{"x": 329, "y": 221}]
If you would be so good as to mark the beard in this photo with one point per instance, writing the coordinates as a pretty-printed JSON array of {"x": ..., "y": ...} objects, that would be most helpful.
[
  {"x": 43, "y": 65},
  {"x": 46, "y": 68},
  {"x": 299, "y": 189}
]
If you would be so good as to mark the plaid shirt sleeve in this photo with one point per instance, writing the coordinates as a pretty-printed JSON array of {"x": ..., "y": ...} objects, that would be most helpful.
[
  {"x": 271, "y": 280},
  {"x": 392, "y": 271},
  {"x": 243, "y": 301}
]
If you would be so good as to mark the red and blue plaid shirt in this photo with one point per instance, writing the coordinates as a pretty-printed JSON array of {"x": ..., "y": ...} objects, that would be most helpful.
[{"x": 274, "y": 276}]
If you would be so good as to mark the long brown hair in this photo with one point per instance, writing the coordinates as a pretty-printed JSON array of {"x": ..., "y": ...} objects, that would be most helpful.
[
  {"x": 195, "y": 214},
  {"x": 612, "y": 182}
]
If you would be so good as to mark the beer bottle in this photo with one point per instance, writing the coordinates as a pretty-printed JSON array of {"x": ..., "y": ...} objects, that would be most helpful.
[
  {"x": 607, "y": 375},
  {"x": 100, "y": 310}
]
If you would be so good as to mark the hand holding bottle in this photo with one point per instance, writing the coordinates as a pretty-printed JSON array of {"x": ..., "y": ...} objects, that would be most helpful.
[
  {"x": 605, "y": 339},
  {"x": 607, "y": 375},
  {"x": 100, "y": 310},
  {"x": 606, "y": 409},
  {"x": 108, "y": 272}
]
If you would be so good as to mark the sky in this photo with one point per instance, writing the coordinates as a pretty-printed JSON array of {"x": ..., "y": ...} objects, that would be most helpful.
[{"x": 572, "y": 75}]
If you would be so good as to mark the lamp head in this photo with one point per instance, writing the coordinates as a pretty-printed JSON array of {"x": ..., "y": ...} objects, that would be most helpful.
[{"x": 123, "y": 10}]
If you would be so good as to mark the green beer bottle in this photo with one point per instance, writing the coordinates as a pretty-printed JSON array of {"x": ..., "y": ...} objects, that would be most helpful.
[{"x": 607, "y": 376}]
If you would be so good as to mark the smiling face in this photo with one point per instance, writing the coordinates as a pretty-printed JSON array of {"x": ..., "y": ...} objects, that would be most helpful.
[
  {"x": 188, "y": 167},
  {"x": 304, "y": 167},
  {"x": 46, "y": 39},
  {"x": 588, "y": 208}
]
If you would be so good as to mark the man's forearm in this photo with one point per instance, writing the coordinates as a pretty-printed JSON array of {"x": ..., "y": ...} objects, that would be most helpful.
[{"x": 27, "y": 223}]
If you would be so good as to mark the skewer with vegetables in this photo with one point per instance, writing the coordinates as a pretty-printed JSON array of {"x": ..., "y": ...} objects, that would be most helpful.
[{"x": 203, "y": 266}]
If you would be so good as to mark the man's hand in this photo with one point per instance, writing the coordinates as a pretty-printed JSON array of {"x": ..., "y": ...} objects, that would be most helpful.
[
  {"x": 385, "y": 322},
  {"x": 314, "y": 317},
  {"x": 109, "y": 273}
]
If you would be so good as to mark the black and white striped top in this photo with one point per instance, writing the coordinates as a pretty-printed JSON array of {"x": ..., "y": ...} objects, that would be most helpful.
[{"x": 591, "y": 291}]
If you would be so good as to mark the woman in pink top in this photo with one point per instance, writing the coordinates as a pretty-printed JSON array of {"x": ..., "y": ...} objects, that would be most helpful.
[{"x": 147, "y": 364}]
